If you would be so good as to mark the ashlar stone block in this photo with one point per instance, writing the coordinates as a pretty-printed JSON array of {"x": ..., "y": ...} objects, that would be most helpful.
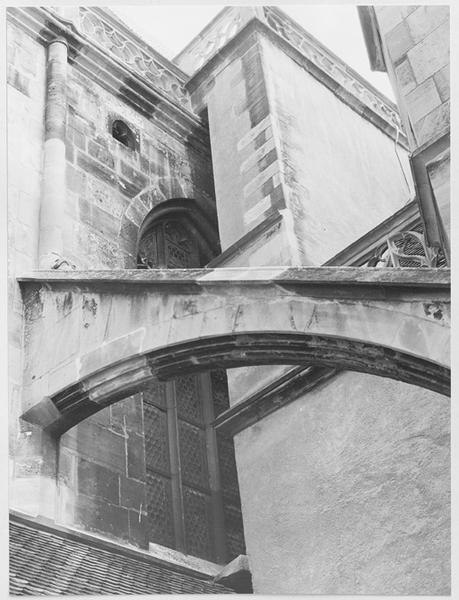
[
  {"x": 441, "y": 79},
  {"x": 425, "y": 19},
  {"x": 431, "y": 54},
  {"x": 434, "y": 123},
  {"x": 405, "y": 77},
  {"x": 399, "y": 41},
  {"x": 422, "y": 100}
]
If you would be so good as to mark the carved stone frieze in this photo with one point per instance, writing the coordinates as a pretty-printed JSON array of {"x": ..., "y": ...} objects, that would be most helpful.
[
  {"x": 133, "y": 56},
  {"x": 329, "y": 63}
]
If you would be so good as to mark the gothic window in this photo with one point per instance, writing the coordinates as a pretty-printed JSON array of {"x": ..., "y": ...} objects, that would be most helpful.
[{"x": 193, "y": 500}]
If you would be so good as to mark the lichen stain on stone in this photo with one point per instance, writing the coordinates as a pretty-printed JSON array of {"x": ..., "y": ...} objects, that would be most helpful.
[
  {"x": 412, "y": 335},
  {"x": 90, "y": 305},
  {"x": 64, "y": 304},
  {"x": 33, "y": 306},
  {"x": 434, "y": 309},
  {"x": 89, "y": 310},
  {"x": 189, "y": 306}
]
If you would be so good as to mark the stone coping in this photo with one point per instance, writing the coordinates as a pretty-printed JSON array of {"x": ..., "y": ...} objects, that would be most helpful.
[
  {"x": 324, "y": 276},
  {"x": 205, "y": 53}
]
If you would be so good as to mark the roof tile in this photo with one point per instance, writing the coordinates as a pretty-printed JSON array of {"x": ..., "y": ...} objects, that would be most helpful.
[{"x": 44, "y": 563}]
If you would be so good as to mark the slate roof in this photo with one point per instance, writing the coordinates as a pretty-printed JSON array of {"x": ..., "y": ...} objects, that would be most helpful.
[{"x": 43, "y": 562}]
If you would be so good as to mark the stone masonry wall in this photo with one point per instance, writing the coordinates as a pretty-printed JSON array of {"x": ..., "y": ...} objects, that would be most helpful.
[
  {"x": 342, "y": 176},
  {"x": 102, "y": 473},
  {"x": 101, "y": 463},
  {"x": 347, "y": 491},
  {"x": 416, "y": 43},
  {"x": 247, "y": 178},
  {"x": 103, "y": 175},
  {"x": 25, "y": 98},
  {"x": 102, "y": 466},
  {"x": 282, "y": 140}
]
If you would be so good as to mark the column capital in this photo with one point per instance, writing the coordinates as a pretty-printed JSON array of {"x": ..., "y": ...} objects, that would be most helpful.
[{"x": 58, "y": 40}]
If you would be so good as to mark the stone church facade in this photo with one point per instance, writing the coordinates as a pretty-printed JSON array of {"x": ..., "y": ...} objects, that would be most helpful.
[{"x": 229, "y": 302}]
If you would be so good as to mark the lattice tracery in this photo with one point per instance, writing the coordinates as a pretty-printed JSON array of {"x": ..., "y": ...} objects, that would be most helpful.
[
  {"x": 219, "y": 390},
  {"x": 159, "y": 509},
  {"x": 189, "y": 404},
  {"x": 156, "y": 438},
  {"x": 234, "y": 531},
  {"x": 197, "y": 519},
  {"x": 193, "y": 455},
  {"x": 128, "y": 52}
]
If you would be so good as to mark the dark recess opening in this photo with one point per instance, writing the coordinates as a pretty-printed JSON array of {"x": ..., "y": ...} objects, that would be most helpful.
[{"x": 122, "y": 133}]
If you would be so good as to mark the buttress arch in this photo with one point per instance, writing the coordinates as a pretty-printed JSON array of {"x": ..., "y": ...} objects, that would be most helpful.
[{"x": 134, "y": 326}]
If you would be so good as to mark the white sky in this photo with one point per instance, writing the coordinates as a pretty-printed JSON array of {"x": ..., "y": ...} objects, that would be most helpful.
[{"x": 169, "y": 28}]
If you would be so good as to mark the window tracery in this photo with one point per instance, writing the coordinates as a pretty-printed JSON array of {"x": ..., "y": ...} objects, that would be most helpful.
[{"x": 193, "y": 500}]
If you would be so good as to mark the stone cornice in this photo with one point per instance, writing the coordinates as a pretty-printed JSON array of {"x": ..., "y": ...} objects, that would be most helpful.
[
  {"x": 327, "y": 279},
  {"x": 128, "y": 69}
]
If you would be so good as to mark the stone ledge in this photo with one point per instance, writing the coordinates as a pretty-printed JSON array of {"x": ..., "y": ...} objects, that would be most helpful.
[
  {"x": 236, "y": 575},
  {"x": 309, "y": 276}
]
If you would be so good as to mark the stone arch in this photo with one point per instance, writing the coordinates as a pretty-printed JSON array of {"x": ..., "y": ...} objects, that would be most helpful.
[
  {"x": 167, "y": 193},
  {"x": 162, "y": 326},
  {"x": 122, "y": 379},
  {"x": 195, "y": 220}
]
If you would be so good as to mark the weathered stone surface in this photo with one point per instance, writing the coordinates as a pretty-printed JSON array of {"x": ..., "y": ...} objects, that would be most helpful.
[
  {"x": 399, "y": 41},
  {"x": 307, "y": 313},
  {"x": 102, "y": 517},
  {"x": 350, "y": 486},
  {"x": 98, "y": 482},
  {"x": 236, "y": 575},
  {"x": 127, "y": 415},
  {"x": 442, "y": 81},
  {"x": 431, "y": 54},
  {"x": 390, "y": 16},
  {"x": 138, "y": 529},
  {"x": 423, "y": 100},
  {"x": 110, "y": 321},
  {"x": 425, "y": 19},
  {"x": 433, "y": 124},
  {"x": 136, "y": 457},
  {"x": 90, "y": 441},
  {"x": 132, "y": 494}
]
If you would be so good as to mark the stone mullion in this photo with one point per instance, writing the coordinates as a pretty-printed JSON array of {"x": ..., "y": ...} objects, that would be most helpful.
[
  {"x": 218, "y": 517},
  {"x": 178, "y": 512}
]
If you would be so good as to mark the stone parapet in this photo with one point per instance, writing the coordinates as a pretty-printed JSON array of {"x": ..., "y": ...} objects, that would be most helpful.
[{"x": 331, "y": 70}]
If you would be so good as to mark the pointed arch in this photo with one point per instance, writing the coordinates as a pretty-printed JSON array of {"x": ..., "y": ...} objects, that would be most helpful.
[{"x": 168, "y": 195}]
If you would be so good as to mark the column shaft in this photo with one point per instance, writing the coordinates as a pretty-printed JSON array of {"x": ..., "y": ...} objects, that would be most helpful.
[{"x": 54, "y": 187}]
